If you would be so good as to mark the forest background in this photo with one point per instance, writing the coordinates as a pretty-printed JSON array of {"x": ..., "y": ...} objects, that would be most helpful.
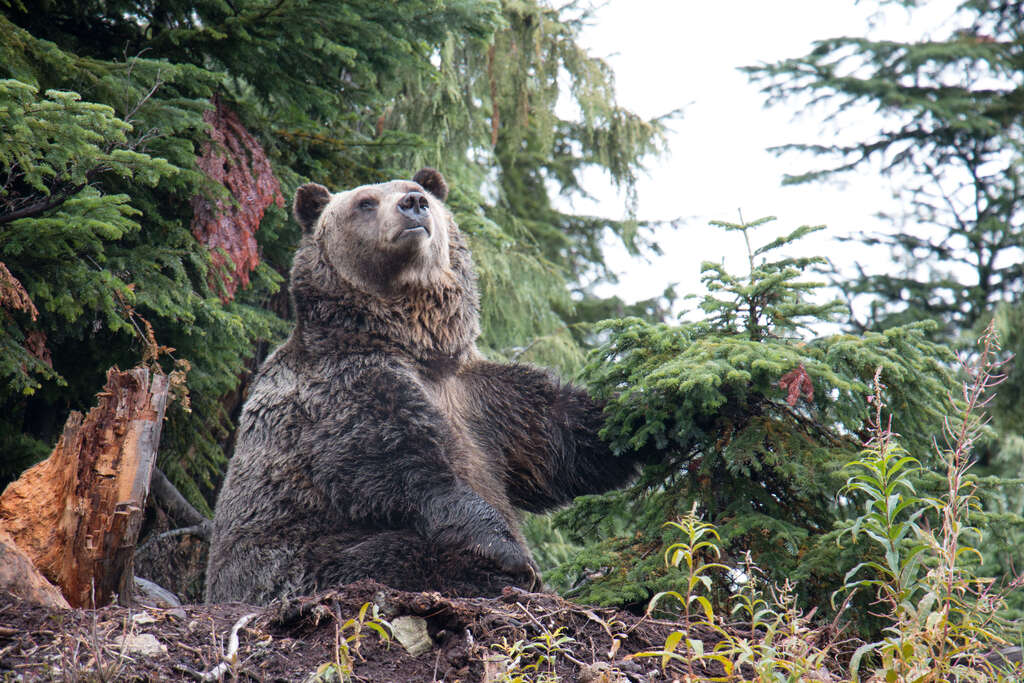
[{"x": 147, "y": 152}]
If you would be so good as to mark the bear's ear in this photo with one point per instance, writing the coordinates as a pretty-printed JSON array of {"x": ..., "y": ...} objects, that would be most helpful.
[
  {"x": 431, "y": 180},
  {"x": 310, "y": 200}
]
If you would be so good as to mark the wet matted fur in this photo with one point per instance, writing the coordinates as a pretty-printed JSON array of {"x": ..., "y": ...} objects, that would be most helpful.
[{"x": 377, "y": 442}]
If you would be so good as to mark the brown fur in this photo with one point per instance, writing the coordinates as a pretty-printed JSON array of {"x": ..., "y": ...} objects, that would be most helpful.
[{"x": 376, "y": 442}]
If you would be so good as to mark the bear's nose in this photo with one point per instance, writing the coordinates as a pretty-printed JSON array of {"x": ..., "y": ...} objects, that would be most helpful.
[{"x": 414, "y": 205}]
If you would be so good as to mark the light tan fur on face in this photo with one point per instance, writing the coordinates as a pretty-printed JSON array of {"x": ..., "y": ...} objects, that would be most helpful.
[
  {"x": 418, "y": 292},
  {"x": 366, "y": 246}
]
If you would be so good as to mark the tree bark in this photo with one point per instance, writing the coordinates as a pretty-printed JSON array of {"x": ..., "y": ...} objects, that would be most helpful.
[
  {"x": 77, "y": 514},
  {"x": 173, "y": 503}
]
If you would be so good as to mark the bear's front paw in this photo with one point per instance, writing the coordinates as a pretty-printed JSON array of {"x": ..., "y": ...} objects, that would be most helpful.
[
  {"x": 509, "y": 556},
  {"x": 528, "y": 577},
  {"x": 536, "y": 583}
]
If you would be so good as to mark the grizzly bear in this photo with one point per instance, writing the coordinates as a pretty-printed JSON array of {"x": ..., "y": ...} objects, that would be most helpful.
[{"x": 376, "y": 442}]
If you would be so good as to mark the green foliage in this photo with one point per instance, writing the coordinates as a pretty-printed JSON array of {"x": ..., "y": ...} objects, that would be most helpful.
[
  {"x": 55, "y": 226},
  {"x": 63, "y": 219},
  {"x": 944, "y": 620},
  {"x": 534, "y": 660},
  {"x": 343, "y": 93},
  {"x": 884, "y": 478},
  {"x": 779, "y": 643},
  {"x": 117, "y": 253},
  {"x": 348, "y": 640},
  {"x": 746, "y": 419},
  {"x": 790, "y": 647},
  {"x": 948, "y": 127},
  {"x": 692, "y": 550}
]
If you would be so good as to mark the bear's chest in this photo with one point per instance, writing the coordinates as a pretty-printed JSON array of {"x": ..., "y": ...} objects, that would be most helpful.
[
  {"x": 454, "y": 404},
  {"x": 470, "y": 458}
]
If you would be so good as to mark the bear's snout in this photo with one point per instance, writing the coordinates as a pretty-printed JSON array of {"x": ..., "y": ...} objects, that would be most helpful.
[
  {"x": 414, "y": 208},
  {"x": 414, "y": 205}
]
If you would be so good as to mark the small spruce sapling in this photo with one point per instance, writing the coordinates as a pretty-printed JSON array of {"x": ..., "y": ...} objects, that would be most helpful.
[{"x": 752, "y": 417}]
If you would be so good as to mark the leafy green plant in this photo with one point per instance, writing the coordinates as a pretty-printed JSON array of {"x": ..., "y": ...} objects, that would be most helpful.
[
  {"x": 348, "y": 639},
  {"x": 534, "y": 660},
  {"x": 885, "y": 476},
  {"x": 944, "y": 621},
  {"x": 700, "y": 540},
  {"x": 780, "y": 643},
  {"x": 783, "y": 644}
]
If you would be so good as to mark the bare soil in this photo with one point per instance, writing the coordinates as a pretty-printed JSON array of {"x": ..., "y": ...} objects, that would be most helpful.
[{"x": 293, "y": 640}]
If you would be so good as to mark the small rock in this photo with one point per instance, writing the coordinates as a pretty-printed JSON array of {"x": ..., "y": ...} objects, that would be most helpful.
[
  {"x": 143, "y": 618},
  {"x": 411, "y": 632},
  {"x": 152, "y": 595},
  {"x": 144, "y": 644}
]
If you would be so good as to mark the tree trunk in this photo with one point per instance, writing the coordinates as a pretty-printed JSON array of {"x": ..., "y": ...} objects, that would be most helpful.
[{"x": 77, "y": 514}]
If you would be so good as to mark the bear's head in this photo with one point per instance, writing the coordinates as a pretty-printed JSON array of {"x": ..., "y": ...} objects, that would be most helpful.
[
  {"x": 384, "y": 264},
  {"x": 382, "y": 237}
]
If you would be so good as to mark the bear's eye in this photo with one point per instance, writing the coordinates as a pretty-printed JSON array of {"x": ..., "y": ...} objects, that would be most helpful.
[{"x": 368, "y": 204}]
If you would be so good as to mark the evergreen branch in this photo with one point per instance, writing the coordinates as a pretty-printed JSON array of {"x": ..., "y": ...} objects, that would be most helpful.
[
  {"x": 42, "y": 206},
  {"x": 268, "y": 12},
  {"x": 336, "y": 142}
]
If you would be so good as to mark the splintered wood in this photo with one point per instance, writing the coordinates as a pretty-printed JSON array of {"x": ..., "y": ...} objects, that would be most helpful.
[
  {"x": 77, "y": 514},
  {"x": 20, "y": 577}
]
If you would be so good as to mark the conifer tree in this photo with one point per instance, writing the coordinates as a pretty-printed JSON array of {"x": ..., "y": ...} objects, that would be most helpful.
[
  {"x": 225, "y": 101},
  {"x": 55, "y": 226},
  {"x": 749, "y": 416},
  {"x": 950, "y": 133}
]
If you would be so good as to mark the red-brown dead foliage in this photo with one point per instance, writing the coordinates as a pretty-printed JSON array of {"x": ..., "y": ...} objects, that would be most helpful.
[
  {"x": 795, "y": 382},
  {"x": 35, "y": 343},
  {"x": 235, "y": 159},
  {"x": 13, "y": 295}
]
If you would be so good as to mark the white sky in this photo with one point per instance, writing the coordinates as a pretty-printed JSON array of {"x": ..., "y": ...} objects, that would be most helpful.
[{"x": 669, "y": 54}]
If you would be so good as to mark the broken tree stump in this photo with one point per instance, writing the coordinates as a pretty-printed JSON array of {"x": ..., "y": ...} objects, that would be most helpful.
[{"x": 77, "y": 514}]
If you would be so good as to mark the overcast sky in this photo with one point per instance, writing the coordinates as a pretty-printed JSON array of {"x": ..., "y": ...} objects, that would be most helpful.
[{"x": 670, "y": 54}]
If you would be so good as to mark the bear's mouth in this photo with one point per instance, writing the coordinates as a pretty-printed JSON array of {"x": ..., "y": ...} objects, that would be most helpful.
[{"x": 415, "y": 230}]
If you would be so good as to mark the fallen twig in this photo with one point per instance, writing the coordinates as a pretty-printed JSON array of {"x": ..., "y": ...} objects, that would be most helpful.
[
  {"x": 229, "y": 656},
  {"x": 199, "y": 530}
]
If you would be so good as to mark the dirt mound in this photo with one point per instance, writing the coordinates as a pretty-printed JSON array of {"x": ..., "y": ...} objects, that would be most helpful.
[{"x": 313, "y": 639}]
